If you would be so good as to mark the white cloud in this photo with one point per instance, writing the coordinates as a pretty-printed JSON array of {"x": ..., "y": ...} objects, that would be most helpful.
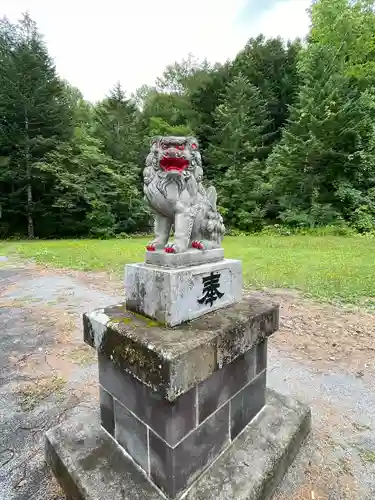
[
  {"x": 97, "y": 43},
  {"x": 288, "y": 19}
]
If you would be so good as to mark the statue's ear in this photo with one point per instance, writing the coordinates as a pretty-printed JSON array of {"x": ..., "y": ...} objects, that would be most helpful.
[
  {"x": 192, "y": 140},
  {"x": 155, "y": 139}
]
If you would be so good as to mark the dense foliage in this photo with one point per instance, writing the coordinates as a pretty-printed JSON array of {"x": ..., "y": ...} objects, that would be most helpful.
[{"x": 286, "y": 131}]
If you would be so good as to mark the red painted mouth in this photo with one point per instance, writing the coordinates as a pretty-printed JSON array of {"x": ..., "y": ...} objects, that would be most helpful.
[{"x": 170, "y": 163}]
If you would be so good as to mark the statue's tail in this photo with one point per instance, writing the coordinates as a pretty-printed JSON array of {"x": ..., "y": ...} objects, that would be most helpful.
[
  {"x": 213, "y": 225},
  {"x": 212, "y": 197}
]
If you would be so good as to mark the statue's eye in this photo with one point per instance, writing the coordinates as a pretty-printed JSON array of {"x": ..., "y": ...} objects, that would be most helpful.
[
  {"x": 164, "y": 146},
  {"x": 193, "y": 146}
]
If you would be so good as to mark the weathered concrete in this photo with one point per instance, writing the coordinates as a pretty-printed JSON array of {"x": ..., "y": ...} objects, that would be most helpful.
[
  {"x": 173, "y": 296},
  {"x": 89, "y": 464},
  {"x": 173, "y": 360},
  {"x": 189, "y": 258}
]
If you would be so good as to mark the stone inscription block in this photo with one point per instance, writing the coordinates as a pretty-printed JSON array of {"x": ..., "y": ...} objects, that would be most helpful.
[{"x": 174, "y": 296}]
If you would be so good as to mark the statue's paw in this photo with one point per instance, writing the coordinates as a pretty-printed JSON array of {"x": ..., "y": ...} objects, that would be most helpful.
[
  {"x": 198, "y": 245},
  {"x": 170, "y": 248},
  {"x": 151, "y": 247}
]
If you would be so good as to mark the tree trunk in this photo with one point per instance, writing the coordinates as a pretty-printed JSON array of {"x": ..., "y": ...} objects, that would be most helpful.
[
  {"x": 30, "y": 221},
  {"x": 29, "y": 207}
]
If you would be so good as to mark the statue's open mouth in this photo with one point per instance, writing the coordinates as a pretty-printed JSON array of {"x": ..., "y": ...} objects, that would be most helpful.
[{"x": 170, "y": 163}]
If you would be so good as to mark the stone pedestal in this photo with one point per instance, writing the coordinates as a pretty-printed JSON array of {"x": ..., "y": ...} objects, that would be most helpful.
[
  {"x": 172, "y": 295},
  {"x": 175, "y": 408},
  {"x": 175, "y": 401}
]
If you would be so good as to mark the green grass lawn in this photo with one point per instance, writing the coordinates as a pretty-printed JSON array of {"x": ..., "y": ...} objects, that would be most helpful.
[{"x": 328, "y": 268}]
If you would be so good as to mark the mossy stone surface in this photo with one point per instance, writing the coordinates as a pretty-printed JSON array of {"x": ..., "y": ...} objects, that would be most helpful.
[{"x": 173, "y": 360}]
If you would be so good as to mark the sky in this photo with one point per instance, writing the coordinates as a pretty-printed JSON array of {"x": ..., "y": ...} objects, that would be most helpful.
[{"x": 96, "y": 43}]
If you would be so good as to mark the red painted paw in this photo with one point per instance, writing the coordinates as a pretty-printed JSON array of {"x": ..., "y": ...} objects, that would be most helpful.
[
  {"x": 151, "y": 248},
  {"x": 170, "y": 250},
  {"x": 198, "y": 245}
]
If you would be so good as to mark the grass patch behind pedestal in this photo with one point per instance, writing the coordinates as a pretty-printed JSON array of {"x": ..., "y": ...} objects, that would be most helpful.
[
  {"x": 32, "y": 394},
  {"x": 338, "y": 268}
]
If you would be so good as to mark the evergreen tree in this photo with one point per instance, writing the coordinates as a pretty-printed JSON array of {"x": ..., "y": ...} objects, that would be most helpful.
[
  {"x": 116, "y": 120},
  {"x": 240, "y": 122},
  {"x": 119, "y": 129},
  {"x": 34, "y": 118},
  {"x": 93, "y": 195},
  {"x": 271, "y": 66},
  {"x": 204, "y": 97},
  {"x": 171, "y": 108},
  {"x": 238, "y": 152},
  {"x": 322, "y": 170},
  {"x": 287, "y": 133}
]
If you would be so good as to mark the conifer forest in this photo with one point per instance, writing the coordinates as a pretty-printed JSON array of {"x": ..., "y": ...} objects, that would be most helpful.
[{"x": 286, "y": 131}]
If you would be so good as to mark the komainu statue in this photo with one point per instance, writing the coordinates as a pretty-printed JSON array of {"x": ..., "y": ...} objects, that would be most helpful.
[{"x": 173, "y": 188}]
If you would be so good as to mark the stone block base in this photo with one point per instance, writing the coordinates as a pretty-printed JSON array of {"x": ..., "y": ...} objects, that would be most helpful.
[
  {"x": 174, "y": 441},
  {"x": 90, "y": 465},
  {"x": 175, "y": 399},
  {"x": 174, "y": 296},
  {"x": 190, "y": 258}
]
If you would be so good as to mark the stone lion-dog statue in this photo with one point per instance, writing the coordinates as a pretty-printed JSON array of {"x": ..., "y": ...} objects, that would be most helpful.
[{"x": 174, "y": 190}]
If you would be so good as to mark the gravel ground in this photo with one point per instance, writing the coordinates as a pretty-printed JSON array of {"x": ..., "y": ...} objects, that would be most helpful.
[{"x": 322, "y": 355}]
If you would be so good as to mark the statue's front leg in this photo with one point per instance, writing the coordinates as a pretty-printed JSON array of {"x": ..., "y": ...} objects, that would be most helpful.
[
  {"x": 182, "y": 227},
  {"x": 162, "y": 231}
]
